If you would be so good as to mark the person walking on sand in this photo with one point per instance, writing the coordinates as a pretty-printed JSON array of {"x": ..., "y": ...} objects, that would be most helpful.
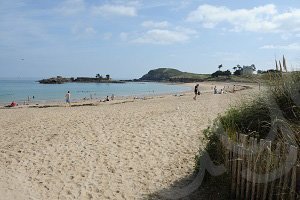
[
  {"x": 196, "y": 90},
  {"x": 68, "y": 98}
]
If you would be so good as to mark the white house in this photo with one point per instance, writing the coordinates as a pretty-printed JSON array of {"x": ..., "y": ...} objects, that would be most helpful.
[{"x": 248, "y": 70}]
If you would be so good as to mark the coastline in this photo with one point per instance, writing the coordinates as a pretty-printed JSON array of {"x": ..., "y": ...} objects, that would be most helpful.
[
  {"x": 45, "y": 94},
  {"x": 205, "y": 87}
]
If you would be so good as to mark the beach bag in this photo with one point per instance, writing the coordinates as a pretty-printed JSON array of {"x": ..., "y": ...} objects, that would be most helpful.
[{"x": 198, "y": 92}]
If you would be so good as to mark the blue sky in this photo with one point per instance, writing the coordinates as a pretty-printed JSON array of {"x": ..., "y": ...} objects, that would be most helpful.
[{"x": 128, "y": 38}]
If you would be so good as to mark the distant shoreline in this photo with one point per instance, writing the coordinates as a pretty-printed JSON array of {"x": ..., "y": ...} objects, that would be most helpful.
[
  {"x": 204, "y": 88},
  {"x": 98, "y": 97}
]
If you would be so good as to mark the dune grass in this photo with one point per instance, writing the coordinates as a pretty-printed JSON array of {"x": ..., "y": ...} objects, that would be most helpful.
[{"x": 278, "y": 104}]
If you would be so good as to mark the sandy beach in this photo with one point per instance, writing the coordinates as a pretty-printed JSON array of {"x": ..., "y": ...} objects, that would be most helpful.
[{"x": 124, "y": 149}]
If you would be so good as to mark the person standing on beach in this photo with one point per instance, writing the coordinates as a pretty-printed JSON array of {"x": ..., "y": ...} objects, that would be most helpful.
[
  {"x": 68, "y": 98},
  {"x": 196, "y": 90}
]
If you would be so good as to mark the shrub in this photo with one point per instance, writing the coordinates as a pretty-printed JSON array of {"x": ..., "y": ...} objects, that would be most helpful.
[
  {"x": 221, "y": 73},
  {"x": 251, "y": 118}
]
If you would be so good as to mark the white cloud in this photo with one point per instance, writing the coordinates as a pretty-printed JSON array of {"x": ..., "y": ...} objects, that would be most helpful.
[
  {"x": 162, "y": 36},
  {"x": 111, "y": 10},
  {"x": 258, "y": 19},
  {"x": 152, "y": 24},
  {"x": 292, "y": 46},
  {"x": 82, "y": 31},
  {"x": 71, "y": 7}
]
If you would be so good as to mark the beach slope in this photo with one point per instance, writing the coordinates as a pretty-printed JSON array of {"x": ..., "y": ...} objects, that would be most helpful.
[{"x": 111, "y": 151}]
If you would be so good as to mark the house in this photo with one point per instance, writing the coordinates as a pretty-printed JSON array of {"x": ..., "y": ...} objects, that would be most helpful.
[{"x": 248, "y": 70}]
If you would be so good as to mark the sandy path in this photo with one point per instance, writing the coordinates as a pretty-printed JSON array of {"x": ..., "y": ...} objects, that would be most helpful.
[{"x": 121, "y": 151}]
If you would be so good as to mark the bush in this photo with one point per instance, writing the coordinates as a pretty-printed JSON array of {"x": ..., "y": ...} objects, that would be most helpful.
[
  {"x": 238, "y": 72},
  {"x": 221, "y": 73},
  {"x": 254, "y": 118},
  {"x": 251, "y": 118},
  {"x": 214, "y": 147}
]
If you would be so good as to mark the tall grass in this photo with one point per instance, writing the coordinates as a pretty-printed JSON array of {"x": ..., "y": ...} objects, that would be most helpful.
[
  {"x": 250, "y": 118},
  {"x": 279, "y": 103},
  {"x": 285, "y": 89}
]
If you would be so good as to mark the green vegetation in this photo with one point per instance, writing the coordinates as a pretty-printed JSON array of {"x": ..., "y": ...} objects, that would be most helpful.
[
  {"x": 174, "y": 75},
  {"x": 219, "y": 186},
  {"x": 276, "y": 109},
  {"x": 250, "y": 118},
  {"x": 221, "y": 73}
]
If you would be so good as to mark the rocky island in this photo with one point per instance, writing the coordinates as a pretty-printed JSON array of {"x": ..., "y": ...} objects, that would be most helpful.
[{"x": 97, "y": 79}]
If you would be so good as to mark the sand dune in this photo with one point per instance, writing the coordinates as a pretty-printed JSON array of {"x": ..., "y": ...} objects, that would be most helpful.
[{"x": 109, "y": 151}]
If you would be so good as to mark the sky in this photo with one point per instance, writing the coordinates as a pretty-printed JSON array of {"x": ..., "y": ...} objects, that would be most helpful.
[{"x": 126, "y": 39}]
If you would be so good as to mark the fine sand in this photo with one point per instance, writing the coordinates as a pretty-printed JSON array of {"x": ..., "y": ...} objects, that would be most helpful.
[{"x": 123, "y": 149}]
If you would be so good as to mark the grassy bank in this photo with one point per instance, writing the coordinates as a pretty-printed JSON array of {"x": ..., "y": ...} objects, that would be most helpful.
[{"x": 269, "y": 115}]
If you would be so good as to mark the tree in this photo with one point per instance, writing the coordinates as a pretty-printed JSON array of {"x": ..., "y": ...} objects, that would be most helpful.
[
  {"x": 98, "y": 76},
  {"x": 220, "y": 66},
  {"x": 234, "y": 68},
  {"x": 221, "y": 73},
  {"x": 253, "y": 67},
  {"x": 238, "y": 72},
  {"x": 227, "y": 73}
]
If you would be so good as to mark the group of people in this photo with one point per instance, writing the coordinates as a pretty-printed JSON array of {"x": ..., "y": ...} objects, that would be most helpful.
[
  {"x": 222, "y": 91},
  {"x": 68, "y": 98},
  {"x": 14, "y": 104},
  {"x": 215, "y": 90}
]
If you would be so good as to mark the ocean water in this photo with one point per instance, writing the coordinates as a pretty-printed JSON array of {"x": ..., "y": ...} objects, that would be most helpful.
[{"x": 20, "y": 90}]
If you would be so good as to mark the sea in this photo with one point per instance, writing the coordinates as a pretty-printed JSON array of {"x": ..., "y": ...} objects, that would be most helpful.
[{"x": 21, "y": 90}]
